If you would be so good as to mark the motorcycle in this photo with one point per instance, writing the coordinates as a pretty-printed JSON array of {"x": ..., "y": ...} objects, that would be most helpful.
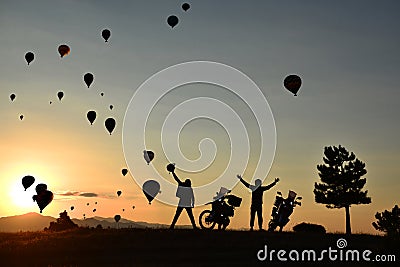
[
  {"x": 222, "y": 208},
  {"x": 282, "y": 210}
]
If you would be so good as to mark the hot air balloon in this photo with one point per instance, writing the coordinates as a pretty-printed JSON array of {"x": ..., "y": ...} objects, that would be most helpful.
[
  {"x": 40, "y": 188},
  {"x": 102, "y": 94},
  {"x": 29, "y": 56},
  {"x": 150, "y": 189},
  {"x": 117, "y": 218},
  {"x": 88, "y": 78},
  {"x": 106, "y": 33},
  {"x": 172, "y": 21},
  {"x": 119, "y": 193},
  {"x": 133, "y": 207},
  {"x": 94, "y": 210},
  {"x": 60, "y": 95},
  {"x": 87, "y": 204},
  {"x": 292, "y": 83},
  {"x": 12, "y": 97},
  {"x": 72, "y": 207},
  {"x": 123, "y": 209},
  {"x": 95, "y": 203},
  {"x": 63, "y": 50},
  {"x": 110, "y": 125},
  {"x": 27, "y": 181},
  {"x": 111, "y": 107},
  {"x": 91, "y": 116},
  {"x": 148, "y": 156},
  {"x": 51, "y": 102},
  {"x": 185, "y": 7},
  {"x": 43, "y": 197},
  {"x": 21, "y": 117},
  {"x": 124, "y": 172}
]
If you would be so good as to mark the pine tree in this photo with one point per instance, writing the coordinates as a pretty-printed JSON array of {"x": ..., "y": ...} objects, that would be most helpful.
[{"x": 342, "y": 182}]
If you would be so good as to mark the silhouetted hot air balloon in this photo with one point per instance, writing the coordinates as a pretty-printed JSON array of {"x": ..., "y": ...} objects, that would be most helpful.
[
  {"x": 29, "y": 57},
  {"x": 119, "y": 193},
  {"x": 91, "y": 116},
  {"x": 72, "y": 207},
  {"x": 12, "y": 97},
  {"x": 110, "y": 125},
  {"x": 51, "y": 102},
  {"x": 87, "y": 204},
  {"x": 94, "y": 210},
  {"x": 63, "y": 50},
  {"x": 124, "y": 172},
  {"x": 106, "y": 33},
  {"x": 185, "y": 7},
  {"x": 133, "y": 207},
  {"x": 60, "y": 95},
  {"x": 27, "y": 181},
  {"x": 43, "y": 197},
  {"x": 88, "y": 78},
  {"x": 21, "y": 117},
  {"x": 123, "y": 209},
  {"x": 117, "y": 218},
  {"x": 150, "y": 189},
  {"x": 172, "y": 21},
  {"x": 292, "y": 83},
  {"x": 148, "y": 156},
  {"x": 40, "y": 188},
  {"x": 102, "y": 94},
  {"x": 95, "y": 203},
  {"x": 111, "y": 107}
]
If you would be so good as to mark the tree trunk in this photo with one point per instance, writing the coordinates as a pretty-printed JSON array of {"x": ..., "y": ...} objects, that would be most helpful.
[{"x": 348, "y": 226}]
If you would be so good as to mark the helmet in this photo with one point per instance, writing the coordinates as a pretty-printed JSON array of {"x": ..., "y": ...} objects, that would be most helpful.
[{"x": 171, "y": 167}]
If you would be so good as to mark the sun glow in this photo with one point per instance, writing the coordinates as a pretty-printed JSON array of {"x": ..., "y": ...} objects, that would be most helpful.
[{"x": 21, "y": 198}]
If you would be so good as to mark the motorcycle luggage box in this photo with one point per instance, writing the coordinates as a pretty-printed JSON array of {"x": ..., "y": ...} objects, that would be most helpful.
[{"x": 234, "y": 200}]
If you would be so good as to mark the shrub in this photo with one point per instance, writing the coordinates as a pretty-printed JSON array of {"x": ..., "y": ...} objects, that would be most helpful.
[
  {"x": 388, "y": 221},
  {"x": 309, "y": 228}
]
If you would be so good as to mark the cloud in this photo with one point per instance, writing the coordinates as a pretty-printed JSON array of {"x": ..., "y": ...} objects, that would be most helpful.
[
  {"x": 76, "y": 194},
  {"x": 88, "y": 195},
  {"x": 68, "y": 193}
]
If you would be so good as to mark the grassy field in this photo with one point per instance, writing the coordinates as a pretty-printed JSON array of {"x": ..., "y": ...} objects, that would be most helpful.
[{"x": 130, "y": 247}]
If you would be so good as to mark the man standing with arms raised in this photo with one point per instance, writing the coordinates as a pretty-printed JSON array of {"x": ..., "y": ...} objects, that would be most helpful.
[{"x": 257, "y": 199}]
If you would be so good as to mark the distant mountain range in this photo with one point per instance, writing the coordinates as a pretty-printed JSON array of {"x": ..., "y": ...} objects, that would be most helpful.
[{"x": 35, "y": 222}]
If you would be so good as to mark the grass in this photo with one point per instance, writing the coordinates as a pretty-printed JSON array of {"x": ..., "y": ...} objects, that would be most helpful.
[{"x": 149, "y": 247}]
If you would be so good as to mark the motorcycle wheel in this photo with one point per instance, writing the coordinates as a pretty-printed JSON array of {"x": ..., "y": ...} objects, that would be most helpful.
[{"x": 204, "y": 220}]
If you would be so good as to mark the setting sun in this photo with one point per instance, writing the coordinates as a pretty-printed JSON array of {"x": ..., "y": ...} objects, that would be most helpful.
[{"x": 21, "y": 198}]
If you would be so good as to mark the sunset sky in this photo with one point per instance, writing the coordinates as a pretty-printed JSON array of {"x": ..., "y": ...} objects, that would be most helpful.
[{"x": 346, "y": 53}]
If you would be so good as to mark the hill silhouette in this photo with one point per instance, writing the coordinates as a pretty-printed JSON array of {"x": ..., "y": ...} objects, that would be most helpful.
[
  {"x": 35, "y": 222},
  {"x": 27, "y": 222}
]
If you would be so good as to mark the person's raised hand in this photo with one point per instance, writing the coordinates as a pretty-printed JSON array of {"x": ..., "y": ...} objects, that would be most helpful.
[
  {"x": 277, "y": 180},
  {"x": 239, "y": 176}
]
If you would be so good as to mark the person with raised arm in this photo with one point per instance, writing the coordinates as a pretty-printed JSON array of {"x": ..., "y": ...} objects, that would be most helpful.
[
  {"x": 186, "y": 200},
  {"x": 257, "y": 199}
]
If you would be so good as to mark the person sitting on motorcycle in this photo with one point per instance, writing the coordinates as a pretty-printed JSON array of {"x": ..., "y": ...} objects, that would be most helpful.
[{"x": 257, "y": 199}]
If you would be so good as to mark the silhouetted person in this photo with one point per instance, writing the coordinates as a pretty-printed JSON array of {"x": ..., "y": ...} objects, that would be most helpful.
[
  {"x": 257, "y": 199},
  {"x": 186, "y": 200}
]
